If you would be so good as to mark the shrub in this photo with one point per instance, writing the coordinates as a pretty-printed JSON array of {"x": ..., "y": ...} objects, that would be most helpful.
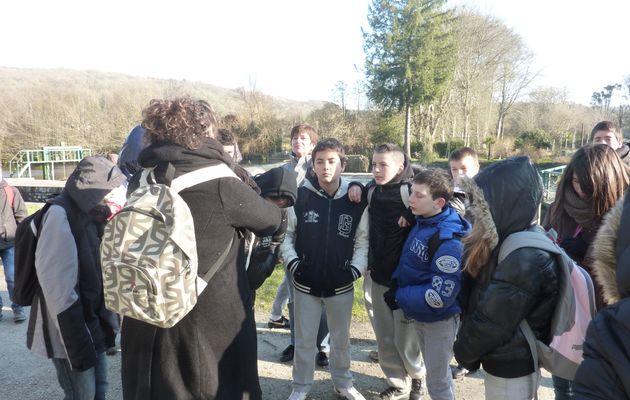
[
  {"x": 444, "y": 149},
  {"x": 538, "y": 139}
]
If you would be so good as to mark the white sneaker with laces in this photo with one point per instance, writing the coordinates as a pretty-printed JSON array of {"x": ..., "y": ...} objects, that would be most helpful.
[
  {"x": 349, "y": 393},
  {"x": 297, "y": 395}
]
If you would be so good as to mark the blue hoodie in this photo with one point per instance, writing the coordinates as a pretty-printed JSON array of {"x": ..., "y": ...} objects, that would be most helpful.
[{"x": 428, "y": 289}]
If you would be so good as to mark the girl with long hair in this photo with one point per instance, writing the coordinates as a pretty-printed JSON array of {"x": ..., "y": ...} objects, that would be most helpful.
[{"x": 594, "y": 180}]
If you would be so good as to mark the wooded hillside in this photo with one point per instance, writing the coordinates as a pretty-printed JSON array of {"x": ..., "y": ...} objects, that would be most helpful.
[{"x": 97, "y": 110}]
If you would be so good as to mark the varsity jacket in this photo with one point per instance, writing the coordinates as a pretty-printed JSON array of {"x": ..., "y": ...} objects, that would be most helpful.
[
  {"x": 326, "y": 243},
  {"x": 428, "y": 288}
]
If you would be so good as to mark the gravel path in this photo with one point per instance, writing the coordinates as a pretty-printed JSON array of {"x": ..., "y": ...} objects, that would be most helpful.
[{"x": 25, "y": 376}]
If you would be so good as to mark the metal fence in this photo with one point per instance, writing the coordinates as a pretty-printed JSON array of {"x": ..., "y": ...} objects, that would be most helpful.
[{"x": 550, "y": 178}]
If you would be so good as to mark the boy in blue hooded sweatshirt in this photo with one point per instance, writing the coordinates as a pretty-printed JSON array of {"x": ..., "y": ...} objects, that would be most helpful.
[{"x": 427, "y": 279}]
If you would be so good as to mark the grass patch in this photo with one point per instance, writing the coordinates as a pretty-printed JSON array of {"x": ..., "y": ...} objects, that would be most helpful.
[
  {"x": 267, "y": 292},
  {"x": 33, "y": 207}
]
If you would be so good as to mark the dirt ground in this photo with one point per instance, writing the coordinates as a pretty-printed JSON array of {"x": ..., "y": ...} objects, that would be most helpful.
[
  {"x": 25, "y": 376},
  {"x": 369, "y": 379}
]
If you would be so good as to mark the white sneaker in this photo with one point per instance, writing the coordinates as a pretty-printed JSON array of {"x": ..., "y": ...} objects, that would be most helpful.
[
  {"x": 297, "y": 395},
  {"x": 350, "y": 393}
]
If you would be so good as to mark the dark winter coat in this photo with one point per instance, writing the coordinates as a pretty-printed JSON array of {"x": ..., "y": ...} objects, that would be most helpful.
[
  {"x": 605, "y": 371},
  {"x": 504, "y": 199},
  {"x": 211, "y": 353},
  {"x": 67, "y": 261},
  {"x": 386, "y": 236},
  {"x": 10, "y": 214}
]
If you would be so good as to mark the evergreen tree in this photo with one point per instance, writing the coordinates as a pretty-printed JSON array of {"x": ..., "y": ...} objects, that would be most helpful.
[{"x": 409, "y": 54}]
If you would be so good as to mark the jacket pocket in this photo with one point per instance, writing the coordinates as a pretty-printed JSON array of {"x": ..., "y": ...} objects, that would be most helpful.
[
  {"x": 305, "y": 274},
  {"x": 342, "y": 275}
]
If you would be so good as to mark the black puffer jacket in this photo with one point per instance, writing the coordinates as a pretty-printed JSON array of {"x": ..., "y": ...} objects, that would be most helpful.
[
  {"x": 524, "y": 285},
  {"x": 605, "y": 371},
  {"x": 386, "y": 237}
]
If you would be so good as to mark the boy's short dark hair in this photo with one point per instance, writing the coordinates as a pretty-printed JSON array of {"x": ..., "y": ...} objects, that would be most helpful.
[
  {"x": 304, "y": 128},
  {"x": 226, "y": 137},
  {"x": 391, "y": 148},
  {"x": 462, "y": 152},
  {"x": 607, "y": 126},
  {"x": 330, "y": 144},
  {"x": 438, "y": 181}
]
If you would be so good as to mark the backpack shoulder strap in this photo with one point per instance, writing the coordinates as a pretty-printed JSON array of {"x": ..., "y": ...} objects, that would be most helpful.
[
  {"x": 215, "y": 267},
  {"x": 370, "y": 193},
  {"x": 530, "y": 337},
  {"x": 536, "y": 239},
  {"x": 404, "y": 194},
  {"x": 10, "y": 194},
  {"x": 434, "y": 244},
  {"x": 201, "y": 175}
]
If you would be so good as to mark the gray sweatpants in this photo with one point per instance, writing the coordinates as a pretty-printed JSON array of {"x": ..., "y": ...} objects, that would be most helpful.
[
  {"x": 521, "y": 388},
  {"x": 399, "y": 352},
  {"x": 436, "y": 344},
  {"x": 307, "y": 314}
]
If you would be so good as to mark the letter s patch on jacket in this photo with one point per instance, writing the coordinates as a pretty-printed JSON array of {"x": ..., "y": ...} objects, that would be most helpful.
[
  {"x": 345, "y": 225},
  {"x": 447, "y": 264}
]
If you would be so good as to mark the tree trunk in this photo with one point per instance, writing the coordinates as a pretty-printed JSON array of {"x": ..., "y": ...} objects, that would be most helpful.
[
  {"x": 408, "y": 130},
  {"x": 500, "y": 126}
]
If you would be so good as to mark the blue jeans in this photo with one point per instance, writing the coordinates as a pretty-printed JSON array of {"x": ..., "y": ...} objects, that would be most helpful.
[
  {"x": 90, "y": 384},
  {"x": 562, "y": 388},
  {"x": 8, "y": 262}
]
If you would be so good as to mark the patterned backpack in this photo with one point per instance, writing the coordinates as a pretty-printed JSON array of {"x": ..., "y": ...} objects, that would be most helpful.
[{"x": 149, "y": 252}]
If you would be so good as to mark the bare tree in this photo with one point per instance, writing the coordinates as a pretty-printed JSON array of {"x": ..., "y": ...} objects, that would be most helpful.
[{"x": 514, "y": 74}]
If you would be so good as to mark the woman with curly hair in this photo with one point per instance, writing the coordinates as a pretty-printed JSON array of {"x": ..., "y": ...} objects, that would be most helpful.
[
  {"x": 205, "y": 355},
  {"x": 593, "y": 181}
]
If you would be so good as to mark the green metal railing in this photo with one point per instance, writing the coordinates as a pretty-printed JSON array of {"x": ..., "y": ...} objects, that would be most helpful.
[
  {"x": 551, "y": 177},
  {"x": 48, "y": 158}
]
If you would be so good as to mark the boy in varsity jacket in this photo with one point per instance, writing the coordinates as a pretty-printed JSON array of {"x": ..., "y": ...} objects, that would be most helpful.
[
  {"x": 325, "y": 250},
  {"x": 428, "y": 277}
]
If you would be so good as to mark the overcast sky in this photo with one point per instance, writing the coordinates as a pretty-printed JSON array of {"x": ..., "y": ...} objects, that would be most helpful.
[{"x": 296, "y": 49}]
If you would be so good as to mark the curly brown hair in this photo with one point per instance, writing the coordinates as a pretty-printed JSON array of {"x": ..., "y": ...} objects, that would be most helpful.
[{"x": 181, "y": 120}]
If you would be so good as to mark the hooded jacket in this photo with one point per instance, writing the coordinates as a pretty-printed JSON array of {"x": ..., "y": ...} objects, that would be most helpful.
[
  {"x": 605, "y": 371},
  {"x": 211, "y": 353},
  {"x": 326, "y": 244},
  {"x": 428, "y": 288},
  {"x": 505, "y": 198},
  {"x": 301, "y": 166},
  {"x": 68, "y": 318},
  {"x": 280, "y": 183},
  {"x": 386, "y": 236}
]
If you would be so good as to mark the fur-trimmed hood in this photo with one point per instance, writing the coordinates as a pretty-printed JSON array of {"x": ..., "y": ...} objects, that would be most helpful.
[
  {"x": 504, "y": 198},
  {"x": 611, "y": 253}
]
